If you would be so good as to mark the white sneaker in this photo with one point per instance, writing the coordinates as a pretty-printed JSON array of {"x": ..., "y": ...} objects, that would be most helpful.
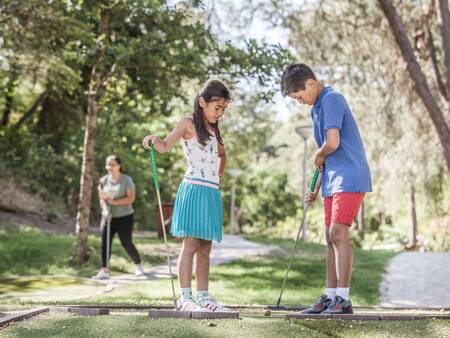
[
  {"x": 139, "y": 271},
  {"x": 102, "y": 274},
  {"x": 191, "y": 305},
  {"x": 212, "y": 306}
]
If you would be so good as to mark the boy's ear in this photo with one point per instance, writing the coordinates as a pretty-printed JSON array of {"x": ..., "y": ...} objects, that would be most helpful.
[
  {"x": 310, "y": 82},
  {"x": 202, "y": 102}
]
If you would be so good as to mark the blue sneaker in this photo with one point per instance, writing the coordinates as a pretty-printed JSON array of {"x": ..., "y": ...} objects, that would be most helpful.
[
  {"x": 319, "y": 306},
  {"x": 339, "y": 306}
]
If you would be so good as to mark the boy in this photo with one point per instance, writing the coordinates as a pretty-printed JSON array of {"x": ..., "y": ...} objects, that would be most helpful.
[{"x": 345, "y": 176}]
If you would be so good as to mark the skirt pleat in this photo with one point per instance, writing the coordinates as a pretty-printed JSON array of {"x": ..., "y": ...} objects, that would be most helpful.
[{"x": 197, "y": 212}]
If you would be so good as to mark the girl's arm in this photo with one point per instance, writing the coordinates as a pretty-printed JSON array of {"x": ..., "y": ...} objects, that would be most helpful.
[
  {"x": 182, "y": 129},
  {"x": 129, "y": 199},
  {"x": 222, "y": 159}
]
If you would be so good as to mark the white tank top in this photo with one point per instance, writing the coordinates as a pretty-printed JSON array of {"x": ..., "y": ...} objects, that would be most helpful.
[{"x": 202, "y": 160}]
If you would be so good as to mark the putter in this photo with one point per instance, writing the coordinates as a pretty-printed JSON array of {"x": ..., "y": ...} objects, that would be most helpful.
[
  {"x": 305, "y": 210},
  {"x": 155, "y": 179}
]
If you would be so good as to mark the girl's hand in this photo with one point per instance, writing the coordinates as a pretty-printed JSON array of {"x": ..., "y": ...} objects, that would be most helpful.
[
  {"x": 149, "y": 138},
  {"x": 311, "y": 197},
  {"x": 110, "y": 201}
]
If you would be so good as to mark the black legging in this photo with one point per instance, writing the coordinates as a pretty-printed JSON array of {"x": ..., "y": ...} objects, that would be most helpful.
[{"x": 124, "y": 227}]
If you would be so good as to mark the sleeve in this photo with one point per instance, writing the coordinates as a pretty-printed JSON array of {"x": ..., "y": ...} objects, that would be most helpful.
[
  {"x": 334, "y": 109},
  {"x": 130, "y": 183}
]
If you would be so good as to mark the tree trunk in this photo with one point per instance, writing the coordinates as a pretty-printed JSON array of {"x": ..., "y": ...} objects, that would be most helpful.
[
  {"x": 87, "y": 168},
  {"x": 418, "y": 76},
  {"x": 11, "y": 89},
  {"x": 413, "y": 218},
  {"x": 445, "y": 15}
]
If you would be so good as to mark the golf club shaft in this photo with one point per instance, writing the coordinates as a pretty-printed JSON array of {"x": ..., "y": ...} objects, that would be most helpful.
[
  {"x": 156, "y": 182},
  {"x": 167, "y": 248},
  {"x": 305, "y": 210},
  {"x": 292, "y": 254}
]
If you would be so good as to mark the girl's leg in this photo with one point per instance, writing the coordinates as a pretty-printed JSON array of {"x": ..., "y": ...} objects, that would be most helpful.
[
  {"x": 185, "y": 261},
  {"x": 202, "y": 265},
  {"x": 125, "y": 231}
]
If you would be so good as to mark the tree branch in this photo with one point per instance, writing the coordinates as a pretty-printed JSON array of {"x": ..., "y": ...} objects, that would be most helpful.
[
  {"x": 417, "y": 75},
  {"x": 445, "y": 15},
  {"x": 434, "y": 60},
  {"x": 33, "y": 108}
]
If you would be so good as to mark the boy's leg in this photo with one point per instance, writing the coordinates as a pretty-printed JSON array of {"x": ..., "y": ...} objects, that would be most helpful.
[
  {"x": 331, "y": 262},
  {"x": 325, "y": 299},
  {"x": 343, "y": 254},
  {"x": 344, "y": 211}
]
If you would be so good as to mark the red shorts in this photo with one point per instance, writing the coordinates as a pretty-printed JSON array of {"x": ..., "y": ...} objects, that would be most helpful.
[{"x": 342, "y": 207}]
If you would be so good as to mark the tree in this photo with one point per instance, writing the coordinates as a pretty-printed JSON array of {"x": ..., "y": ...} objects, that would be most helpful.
[
  {"x": 418, "y": 76},
  {"x": 96, "y": 88}
]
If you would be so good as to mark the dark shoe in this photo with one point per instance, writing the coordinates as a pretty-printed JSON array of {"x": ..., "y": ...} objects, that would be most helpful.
[
  {"x": 339, "y": 306},
  {"x": 321, "y": 304}
]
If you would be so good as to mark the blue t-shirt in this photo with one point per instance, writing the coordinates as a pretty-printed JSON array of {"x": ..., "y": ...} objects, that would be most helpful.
[{"x": 346, "y": 169}]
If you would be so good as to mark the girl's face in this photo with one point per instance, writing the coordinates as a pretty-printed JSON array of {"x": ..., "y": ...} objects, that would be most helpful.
[
  {"x": 213, "y": 110},
  {"x": 112, "y": 166}
]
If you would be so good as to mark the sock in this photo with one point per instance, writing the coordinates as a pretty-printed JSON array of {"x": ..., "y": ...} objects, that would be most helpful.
[
  {"x": 330, "y": 292},
  {"x": 186, "y": 293},
  {"x": 202, "y": 294},
  {"x": 343, "y": 292}
]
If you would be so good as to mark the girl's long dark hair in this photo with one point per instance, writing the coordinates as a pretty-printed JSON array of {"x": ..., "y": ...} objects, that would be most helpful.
[{"x": 213, "y": 90}]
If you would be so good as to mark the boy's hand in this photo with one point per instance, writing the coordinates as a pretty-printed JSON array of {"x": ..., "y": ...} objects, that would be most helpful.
[
  {"x": 319, "y": 160},
  {"x": 311, "y": 197},
  {"x": 149, "y": 138}
]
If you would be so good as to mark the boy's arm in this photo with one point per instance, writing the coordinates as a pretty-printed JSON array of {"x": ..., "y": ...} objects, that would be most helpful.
[
  {"x": 330, "y": 145},
  {"x": 222, "y": 159}
]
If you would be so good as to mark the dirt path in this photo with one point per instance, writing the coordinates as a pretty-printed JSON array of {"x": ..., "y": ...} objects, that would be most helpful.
[{"x": 417, "y": 279}]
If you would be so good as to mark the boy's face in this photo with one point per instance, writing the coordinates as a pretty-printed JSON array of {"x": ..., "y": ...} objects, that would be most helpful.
[{"x": 308, "y": 95}]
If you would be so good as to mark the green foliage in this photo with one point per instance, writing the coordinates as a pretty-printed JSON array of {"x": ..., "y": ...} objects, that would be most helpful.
[
  {"x": 266, "y": 198},
  {"x": 156, "y": 55}
]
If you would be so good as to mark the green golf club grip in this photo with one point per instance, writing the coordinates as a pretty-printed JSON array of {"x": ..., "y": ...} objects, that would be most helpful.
[
  {"x": 153, "y": 162},
  {"x": 314, "y": 180}
]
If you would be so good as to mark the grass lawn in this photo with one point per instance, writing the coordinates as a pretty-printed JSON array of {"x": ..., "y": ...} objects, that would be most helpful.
[
  {"x": 142, "y": 326},
  {"x": 32, "y": 260},
  {"x": 248, "y": 281},
  {"x": 251, "y": 280}
]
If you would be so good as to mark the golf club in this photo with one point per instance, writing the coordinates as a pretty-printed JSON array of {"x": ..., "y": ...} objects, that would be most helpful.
[
  {"x": 305, "y": 210},
  {"x": 155, "y": 179}
]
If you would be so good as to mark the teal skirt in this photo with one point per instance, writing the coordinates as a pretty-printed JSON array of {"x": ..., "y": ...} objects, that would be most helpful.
[{"x": 197, "y": 212}]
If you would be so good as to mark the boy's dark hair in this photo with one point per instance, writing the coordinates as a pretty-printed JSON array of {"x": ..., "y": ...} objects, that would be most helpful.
[
  {"x": 212, "y": 90},
  {"x": 294, "y": 78}
]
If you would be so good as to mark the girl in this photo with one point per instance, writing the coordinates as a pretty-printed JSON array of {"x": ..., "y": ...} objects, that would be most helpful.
[
  {"x": 197, "y": 215},
  {"x": 117, "y": 194}
]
